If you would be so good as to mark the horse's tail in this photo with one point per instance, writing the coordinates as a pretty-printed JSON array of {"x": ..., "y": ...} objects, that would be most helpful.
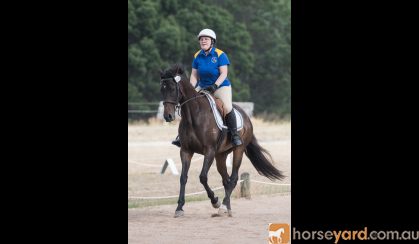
[{"x": 262, "y": 160}]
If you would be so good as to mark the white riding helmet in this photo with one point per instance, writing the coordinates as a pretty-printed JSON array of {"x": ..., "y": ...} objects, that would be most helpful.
[{"x": 207, "y": 32}]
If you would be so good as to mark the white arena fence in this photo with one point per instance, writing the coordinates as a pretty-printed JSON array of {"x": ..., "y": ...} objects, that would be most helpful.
[{"x": 144, "y": 110}]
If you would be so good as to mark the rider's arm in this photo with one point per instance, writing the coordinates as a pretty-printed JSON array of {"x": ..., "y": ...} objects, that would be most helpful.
[
  {"x": 223, "y": 75},
  {"x": 194, "y": 77}
]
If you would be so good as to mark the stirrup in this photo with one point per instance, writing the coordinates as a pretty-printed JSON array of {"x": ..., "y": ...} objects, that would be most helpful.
[
  {"x": 236, "y": 140},
  {"x": 176, "y": 142}
]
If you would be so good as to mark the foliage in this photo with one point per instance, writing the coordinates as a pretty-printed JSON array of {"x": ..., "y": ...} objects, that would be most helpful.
[{"x": 256, "y": 35}]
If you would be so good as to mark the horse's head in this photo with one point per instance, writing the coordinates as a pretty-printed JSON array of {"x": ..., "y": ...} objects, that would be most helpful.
[{"x": 169, "y": 88}]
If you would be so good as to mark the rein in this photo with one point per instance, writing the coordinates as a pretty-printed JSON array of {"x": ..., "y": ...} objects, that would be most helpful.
[{"x": 179, "y": 106}]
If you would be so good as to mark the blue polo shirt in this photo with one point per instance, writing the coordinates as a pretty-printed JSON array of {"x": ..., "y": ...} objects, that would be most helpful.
[{"x": 207, "y": 66}]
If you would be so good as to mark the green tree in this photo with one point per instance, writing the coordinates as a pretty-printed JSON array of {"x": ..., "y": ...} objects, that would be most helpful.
[{"x": 256, "y": 36}]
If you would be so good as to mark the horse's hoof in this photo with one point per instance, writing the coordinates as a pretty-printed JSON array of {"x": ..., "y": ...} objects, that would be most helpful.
[
  {"x": 217, "y": 204},
  {"x": 179, "y": 213},
  {"x": 230, "y": 213},
  {"x": 223, "y": 210}
]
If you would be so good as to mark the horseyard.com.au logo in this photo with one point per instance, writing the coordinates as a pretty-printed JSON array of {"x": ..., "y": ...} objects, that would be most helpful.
[{"x": 279, "y": 233}]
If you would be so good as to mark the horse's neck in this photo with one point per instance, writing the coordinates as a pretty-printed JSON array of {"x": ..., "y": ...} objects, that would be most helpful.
[
  {"x": 187, "y": 90},
  {"x": 192, "y": 106}
]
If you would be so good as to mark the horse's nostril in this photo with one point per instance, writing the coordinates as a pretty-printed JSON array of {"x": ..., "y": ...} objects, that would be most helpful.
[{"x": 170, "y": 117}]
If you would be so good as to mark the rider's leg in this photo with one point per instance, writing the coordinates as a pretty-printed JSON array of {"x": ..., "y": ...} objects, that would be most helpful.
[{"x": 224, "y": 93}]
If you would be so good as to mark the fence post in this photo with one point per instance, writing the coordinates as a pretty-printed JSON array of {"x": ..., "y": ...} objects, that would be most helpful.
[{"x": 245, "y": 185}]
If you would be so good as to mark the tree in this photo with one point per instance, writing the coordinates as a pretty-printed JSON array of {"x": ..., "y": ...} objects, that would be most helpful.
[{"x": 256, "y": 36}]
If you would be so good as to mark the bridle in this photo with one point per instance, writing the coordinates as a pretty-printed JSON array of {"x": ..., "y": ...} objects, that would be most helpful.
[{"x": 177, "y": 79}]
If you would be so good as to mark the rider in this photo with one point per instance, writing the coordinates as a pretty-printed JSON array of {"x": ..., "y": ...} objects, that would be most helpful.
[{"x": 209, "y": 70}]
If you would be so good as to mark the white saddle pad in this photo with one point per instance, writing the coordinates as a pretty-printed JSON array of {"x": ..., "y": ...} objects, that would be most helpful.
[{"x": 219, "y": 119}]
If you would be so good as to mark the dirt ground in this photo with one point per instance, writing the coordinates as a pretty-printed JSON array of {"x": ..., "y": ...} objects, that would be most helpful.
[
  {"x": 249, "y": 223},
  {"x": 149, "y": 146}
]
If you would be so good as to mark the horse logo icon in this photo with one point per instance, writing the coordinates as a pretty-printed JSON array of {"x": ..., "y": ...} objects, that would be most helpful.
[{"x": 279, "y": 233}]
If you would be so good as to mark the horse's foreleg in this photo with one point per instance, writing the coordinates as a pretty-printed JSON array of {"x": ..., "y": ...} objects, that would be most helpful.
[
  {"x": 186, "y": 162},
  {"x": 203, "y": 177}
]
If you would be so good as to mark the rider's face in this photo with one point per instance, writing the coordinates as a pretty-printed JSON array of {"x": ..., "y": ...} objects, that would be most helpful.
[{"x": 205, "y": 42}]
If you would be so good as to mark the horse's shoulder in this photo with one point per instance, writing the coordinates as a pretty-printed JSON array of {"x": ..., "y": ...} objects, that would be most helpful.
[
  {"x": 219, "y": 52},
  {"x": 196, "y": 54}
]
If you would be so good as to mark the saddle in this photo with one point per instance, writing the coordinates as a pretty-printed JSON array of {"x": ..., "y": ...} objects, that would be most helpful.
[{"x": 217, "y": 109}]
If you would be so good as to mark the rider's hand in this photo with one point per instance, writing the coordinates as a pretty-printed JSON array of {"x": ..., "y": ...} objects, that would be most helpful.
[{"x": 211, "y": 88}]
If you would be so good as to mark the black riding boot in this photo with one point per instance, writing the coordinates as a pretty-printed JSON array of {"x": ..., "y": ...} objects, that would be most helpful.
[
  {"x": 232, "y": 125},
  {"x": 176, "y": 142}
]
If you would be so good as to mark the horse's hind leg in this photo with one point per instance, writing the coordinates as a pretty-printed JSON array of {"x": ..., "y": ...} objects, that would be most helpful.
[
  {"x": 237, "y": 160},
  {"x": 203, "y": 177},
  {"x": 186, "y": 162},
  {"x": 222, "y": 169}
]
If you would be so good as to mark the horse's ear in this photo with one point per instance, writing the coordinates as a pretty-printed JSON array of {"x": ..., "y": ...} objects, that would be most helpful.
[
  {"x": 179, "y": 68},
  {"x": 161, "y": 73}
]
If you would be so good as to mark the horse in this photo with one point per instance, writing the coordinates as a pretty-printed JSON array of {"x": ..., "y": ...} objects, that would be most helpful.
[
  {"x": 199, "y": 133},
  {"x": 278, "y": 234}
]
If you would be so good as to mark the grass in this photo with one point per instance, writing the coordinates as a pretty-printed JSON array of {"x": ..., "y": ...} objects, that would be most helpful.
[
  {"x": 256, "y": 189},
  {"x": 140, "y": 203}
]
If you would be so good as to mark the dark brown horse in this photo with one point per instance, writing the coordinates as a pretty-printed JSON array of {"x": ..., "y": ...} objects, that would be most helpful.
[{"x": 199, "y": 133}]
